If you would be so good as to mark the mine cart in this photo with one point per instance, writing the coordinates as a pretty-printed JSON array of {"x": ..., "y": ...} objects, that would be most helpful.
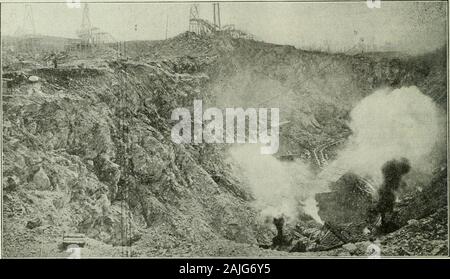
[{"x": 73, "y": 239}]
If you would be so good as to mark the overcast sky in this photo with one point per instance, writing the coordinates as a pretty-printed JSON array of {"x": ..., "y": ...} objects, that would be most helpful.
[{"x": 408, "y": 26}]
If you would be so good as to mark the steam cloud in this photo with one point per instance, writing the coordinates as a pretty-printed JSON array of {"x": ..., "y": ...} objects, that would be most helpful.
[
  {"x": 390, "y": 124},
  {"x": 279, "y": 188}
]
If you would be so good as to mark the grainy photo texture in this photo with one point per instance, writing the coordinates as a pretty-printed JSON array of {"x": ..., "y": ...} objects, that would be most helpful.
[{"x": 224, "y": 129}]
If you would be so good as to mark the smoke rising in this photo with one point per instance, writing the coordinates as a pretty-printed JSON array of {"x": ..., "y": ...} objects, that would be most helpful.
[
  {"x": 393, "y": 171},
  {"x": 390, "y": 124},
  {"x": 279, "y": 188},
  {"x": 386, "y": 125}
]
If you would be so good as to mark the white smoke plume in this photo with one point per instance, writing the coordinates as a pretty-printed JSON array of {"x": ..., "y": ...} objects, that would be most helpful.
[
  {"x": 387, "y": 124},
  {"x": 279, "y": 188},
  {"x": 390, "y": 124}
]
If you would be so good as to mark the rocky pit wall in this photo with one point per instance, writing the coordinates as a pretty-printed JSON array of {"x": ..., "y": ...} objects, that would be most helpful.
[
  {"x": 87, "y": 149},
  {"x": 73, "y": 141}
]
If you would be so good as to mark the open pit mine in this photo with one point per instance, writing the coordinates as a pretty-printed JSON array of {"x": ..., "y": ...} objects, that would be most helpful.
[{"x": 89, "y": 162}]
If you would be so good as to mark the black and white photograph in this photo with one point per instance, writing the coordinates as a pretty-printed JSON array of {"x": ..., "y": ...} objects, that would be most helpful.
[{"x": 224, "y": 129}]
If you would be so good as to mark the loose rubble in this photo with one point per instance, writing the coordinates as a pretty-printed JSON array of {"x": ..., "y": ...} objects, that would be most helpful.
[{"x": 87, "y": 146}]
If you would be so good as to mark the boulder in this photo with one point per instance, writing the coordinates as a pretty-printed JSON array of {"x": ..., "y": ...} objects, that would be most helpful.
[
  {"x": 348, "y": 201},
  {"x": 41, "y": 180}
]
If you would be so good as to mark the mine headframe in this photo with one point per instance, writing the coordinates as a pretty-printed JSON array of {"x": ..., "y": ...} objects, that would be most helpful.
[
  {"x": 90, "y": 35},
  {"x": 201, "y": 26},
  {"x": 28, "y": 39}
]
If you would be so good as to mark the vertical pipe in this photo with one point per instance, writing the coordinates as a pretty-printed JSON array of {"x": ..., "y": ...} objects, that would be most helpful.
[
  {"x": 214, "y": 11},
  {"x": 218, "y": 13},
  {"x": 167, "y": 24}
]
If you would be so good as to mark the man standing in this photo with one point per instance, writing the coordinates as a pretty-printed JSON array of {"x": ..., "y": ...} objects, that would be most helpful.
[{"x": 55, "y": 61}]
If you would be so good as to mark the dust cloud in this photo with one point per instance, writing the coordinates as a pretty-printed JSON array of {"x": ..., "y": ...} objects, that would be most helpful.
[
  {"x": 390, "y": 124},
  {"x": 386, "y": 125},
  {"x": 279, "y": 188}
]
